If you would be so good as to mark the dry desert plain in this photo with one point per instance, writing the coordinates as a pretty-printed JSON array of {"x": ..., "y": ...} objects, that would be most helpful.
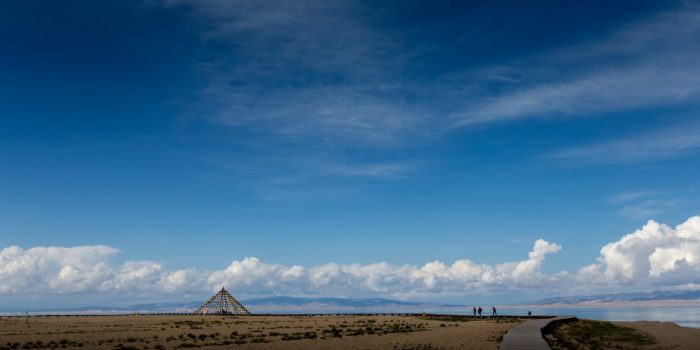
[
  {"x": 289, "y": 332},
  {"x": 251, "y": 332}
]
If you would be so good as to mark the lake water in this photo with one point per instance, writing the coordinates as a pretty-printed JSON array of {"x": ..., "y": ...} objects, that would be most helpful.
[{"x": 687, "y": 316}]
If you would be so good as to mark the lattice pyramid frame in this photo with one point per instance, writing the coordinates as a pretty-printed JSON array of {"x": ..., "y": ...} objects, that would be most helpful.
[{"x": 222, "y": 303}]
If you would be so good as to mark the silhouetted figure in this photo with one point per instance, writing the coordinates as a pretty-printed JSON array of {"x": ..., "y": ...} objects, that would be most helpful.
[
  {"x": 479, "y": 310},
  {"x": 474, "y": 311},
  {"x": 494, "y": 314}
]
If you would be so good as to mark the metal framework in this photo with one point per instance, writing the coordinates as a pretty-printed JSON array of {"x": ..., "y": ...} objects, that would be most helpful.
[{"x": 222, "y": 303}]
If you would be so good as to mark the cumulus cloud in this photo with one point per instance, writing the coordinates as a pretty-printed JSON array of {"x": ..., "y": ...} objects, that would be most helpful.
[
  {"x": 654, "y": 254},
  {"x": 87, "y": 269},
  {"x": 432, "y": 277},
  {"x": 58, "y": 269},
  {"x": 75, "y": 270}
]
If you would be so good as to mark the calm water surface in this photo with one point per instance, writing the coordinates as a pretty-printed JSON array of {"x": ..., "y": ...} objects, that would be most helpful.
[{"x": 687, "y": 316}]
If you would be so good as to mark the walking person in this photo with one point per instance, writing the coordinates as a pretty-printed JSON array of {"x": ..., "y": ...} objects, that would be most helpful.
[
  {"x": 494, "y": 314},
  {"x": 479, "y": 310},
  {"x": 474, "y": 311}
]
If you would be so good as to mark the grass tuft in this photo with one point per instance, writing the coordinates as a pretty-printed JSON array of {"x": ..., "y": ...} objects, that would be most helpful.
[{"x": 595, "y": 335}]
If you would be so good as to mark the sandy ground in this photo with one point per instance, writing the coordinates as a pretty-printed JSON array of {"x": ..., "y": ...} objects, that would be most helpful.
[
  {"x": 250, "y": 332},
  {"x": 668, "y": 335}
]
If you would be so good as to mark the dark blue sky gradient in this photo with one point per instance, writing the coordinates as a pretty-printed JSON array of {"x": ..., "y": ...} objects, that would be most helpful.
[{"x": 336, "y": 137}]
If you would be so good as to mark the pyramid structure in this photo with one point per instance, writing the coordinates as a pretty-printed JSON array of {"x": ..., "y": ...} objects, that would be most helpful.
[{"x": 222, "y": 303}]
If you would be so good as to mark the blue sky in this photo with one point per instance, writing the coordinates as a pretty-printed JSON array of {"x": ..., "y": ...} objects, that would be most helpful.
[{"x": 188, "y": 135}]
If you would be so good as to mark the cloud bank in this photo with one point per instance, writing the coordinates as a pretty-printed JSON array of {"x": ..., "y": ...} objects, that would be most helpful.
[
  {"x": 87, "y": 269},
  {"x": 655, "y": 255}
]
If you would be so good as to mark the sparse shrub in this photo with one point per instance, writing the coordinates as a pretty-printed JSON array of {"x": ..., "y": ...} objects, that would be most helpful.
[{"x": 310, "y": 335}]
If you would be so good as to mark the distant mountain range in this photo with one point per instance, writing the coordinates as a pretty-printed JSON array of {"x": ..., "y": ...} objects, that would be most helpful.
[
  {"x": 279, "y": 304},
  {"x": 372, "y": 302},
  {"x": 622, "y": 297},
  {"x": 285, "y": 304}
]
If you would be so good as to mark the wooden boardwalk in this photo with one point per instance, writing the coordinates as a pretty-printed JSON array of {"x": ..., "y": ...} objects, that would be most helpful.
[{"x": 528, "y": 336}]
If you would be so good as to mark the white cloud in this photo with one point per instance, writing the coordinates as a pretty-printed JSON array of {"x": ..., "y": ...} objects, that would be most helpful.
[
  {"x": 299, "y": 50},
  {"x": 629, "y": 196},
  {"x": 282, "y": 75},
  {"x": 337, "y": 279},
  {"x": 188, "y": 280},
  {"x": 642, "y": 204},
  {"x": 647, "y": 63},
  {"x": 86, "y": 270},
  {"x": 324, "y": 79},
  {"x": 606, "y": 91},
  {"x": 654, "y": 254},
  {"x": 377, "y": 169},
  {"x": 647, "y": 208},
  {"x": 655, "y": 144},
  {"x": 55, "y": 269}
]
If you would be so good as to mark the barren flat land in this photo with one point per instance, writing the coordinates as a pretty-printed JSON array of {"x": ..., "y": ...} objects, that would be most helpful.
[
  {"x": 668, "y": 335},
  {"x": 251, "y": 332},
  {"x": 642, "y": 335}
]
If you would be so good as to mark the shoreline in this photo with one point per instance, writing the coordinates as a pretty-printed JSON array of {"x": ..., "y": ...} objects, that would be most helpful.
[
  {"x": 291, "y": 332},
  {"x": 603, "y": 304},
  {"x": 668, "y": 334}
]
